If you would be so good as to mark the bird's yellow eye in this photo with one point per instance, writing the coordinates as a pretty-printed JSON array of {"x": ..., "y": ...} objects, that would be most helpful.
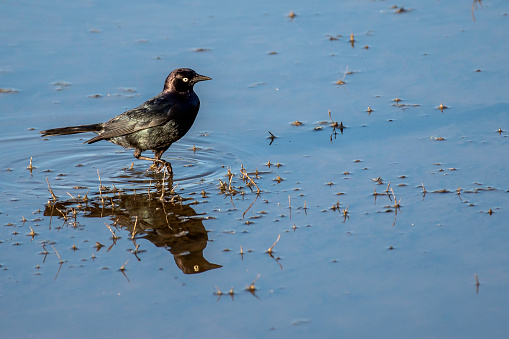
[{"x": 185, "y": 79}]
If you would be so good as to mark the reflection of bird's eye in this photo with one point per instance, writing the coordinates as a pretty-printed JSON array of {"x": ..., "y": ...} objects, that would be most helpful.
[{"x": 185, "y": 80}]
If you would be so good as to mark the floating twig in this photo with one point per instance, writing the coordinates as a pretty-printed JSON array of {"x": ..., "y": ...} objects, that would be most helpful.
[
  {"x": 251, "y": 288},
  {"x": 30, "y": 167},
  {"x": 58, "y": 255},
  {"x": 51, "y": 191},
  {"x": 134, "y": 229},
  {"x": 272, "y": 247},
  {"x": 77, "y": 201},
  {"x": 334, "y": 125},
  {"x": 250, "y": 206},
  {"x": 122, "y": 268},
  {"x": 340, "y": 81},
  {"x": 345, "y": 214},
  {"x": 272, "y": 137},
  {"x": 100, "y": 187},
  {"x": 32, "y": 233},
  {"x": 249, "y": 181},
  {"x": 114, "y": 237},
  {"x": 85, "y": 198},
  {"x": 442, "y": 107}
]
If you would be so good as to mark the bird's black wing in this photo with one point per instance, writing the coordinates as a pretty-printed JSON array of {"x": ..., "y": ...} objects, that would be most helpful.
[{"x": 154, "y": 112}]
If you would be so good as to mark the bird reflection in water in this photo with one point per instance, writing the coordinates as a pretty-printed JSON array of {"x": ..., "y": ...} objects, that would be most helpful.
[{"x": 176, "y": 227}]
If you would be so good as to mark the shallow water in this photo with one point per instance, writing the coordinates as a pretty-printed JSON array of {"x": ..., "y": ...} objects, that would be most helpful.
[{"x": 374, "y": 238}]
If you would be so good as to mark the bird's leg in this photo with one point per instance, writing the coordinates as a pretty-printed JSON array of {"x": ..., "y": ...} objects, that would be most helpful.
[{"x": 158, "y": 164}]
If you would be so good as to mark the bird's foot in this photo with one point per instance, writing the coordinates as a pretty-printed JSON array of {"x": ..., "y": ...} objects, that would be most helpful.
[{"x": 160, "y": 165}]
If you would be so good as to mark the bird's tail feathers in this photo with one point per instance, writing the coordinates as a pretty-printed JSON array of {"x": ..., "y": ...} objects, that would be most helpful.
[{"x": 72, "y": 130}]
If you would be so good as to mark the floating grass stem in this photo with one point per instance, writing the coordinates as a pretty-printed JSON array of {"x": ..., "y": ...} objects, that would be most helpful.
[
  {"x": 122, "y": 268},
  {"x": 58, "y": 255},
  {"x": 30, "y": 167},
  {"x": 251, "y": 288},
  {"x": 273, "y": 245},
  {"x": 100, "y": 187},
  {"x": 51, "y": 191},
  {"x": 114, "y": 236},
  {"x": 134, "y": 229}
]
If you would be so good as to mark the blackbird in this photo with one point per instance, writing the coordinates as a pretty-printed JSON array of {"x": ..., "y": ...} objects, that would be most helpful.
[{"x": 155, "y": 124}]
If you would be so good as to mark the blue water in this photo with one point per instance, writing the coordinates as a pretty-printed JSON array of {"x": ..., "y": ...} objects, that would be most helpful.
[{"x": 347, "y": 265}]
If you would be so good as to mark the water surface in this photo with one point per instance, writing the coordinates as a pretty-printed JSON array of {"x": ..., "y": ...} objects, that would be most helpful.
[{"x": 382, "y": 228}]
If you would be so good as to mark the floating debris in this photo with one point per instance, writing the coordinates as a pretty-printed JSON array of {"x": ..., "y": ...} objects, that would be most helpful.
[
  {"x": 272, "y": 247},
  {"x": 271, "y": 137},
  {"x": 8, "y": 90},
  {"x": 30, "y": 166},
  {"x": 334, "y": 37},
  {"x": 442, "y": 107},
  {"x": 251, "y": 288},
  {"x": 399, "y": 10},
  {"x": 352, "y": 40}
]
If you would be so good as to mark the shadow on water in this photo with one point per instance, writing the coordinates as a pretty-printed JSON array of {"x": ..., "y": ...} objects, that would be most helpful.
[{"x": 172, "y": 224}]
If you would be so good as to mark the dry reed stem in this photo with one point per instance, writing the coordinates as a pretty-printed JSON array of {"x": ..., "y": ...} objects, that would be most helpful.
[
  {"x": 100, "y": 187},
  {"x": 51, "y": 191},
  {"x": 58, "y": 255},
  {"x": 77, "y": 201},
  {"x": 251, "y": 181},
  {"x": 114, "y": 237},
  {"x": 272, "y": 247},
  {"x": 252, "y": 288},
  {"x": 30, "y": 167},
  {"x": 249, "y": 206},
  {"x": 134, "y": 229}
]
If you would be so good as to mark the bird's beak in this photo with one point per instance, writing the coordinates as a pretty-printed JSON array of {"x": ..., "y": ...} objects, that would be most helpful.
[{"x": 199, "y": 77}]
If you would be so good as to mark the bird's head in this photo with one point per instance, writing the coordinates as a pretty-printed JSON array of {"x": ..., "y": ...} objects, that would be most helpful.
[{"x": 183, "y": 80}]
